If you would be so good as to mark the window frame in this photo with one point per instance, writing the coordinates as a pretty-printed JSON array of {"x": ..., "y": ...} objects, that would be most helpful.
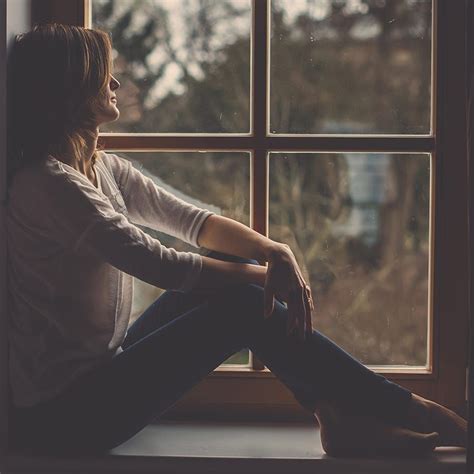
[{"x": 233, "y": 392}]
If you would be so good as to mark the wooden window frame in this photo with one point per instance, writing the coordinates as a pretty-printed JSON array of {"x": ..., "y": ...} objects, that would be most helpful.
[{"x": 232, "y": 392}]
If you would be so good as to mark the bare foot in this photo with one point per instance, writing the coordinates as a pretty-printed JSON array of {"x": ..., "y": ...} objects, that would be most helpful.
[
  {"x": 361, "y": 436},
  {"x": 427, "y": 416}
]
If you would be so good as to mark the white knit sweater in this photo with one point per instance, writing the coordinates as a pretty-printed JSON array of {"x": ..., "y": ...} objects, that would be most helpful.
[{"x": 72, "y": 249}]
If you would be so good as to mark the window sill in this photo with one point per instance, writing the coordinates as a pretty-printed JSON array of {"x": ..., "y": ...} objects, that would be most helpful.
[{"x": 202, "y": 447}]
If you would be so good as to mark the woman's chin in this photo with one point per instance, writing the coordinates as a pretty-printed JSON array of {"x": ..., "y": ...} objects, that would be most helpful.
[{"x": 112, "y": 117}]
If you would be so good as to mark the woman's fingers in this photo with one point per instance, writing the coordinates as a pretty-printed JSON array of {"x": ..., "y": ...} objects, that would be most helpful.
[
  {"x": 297, "y": 314},
  {"x": 309, "y": 318},
  {"x": 267, "y": 301},
  {"x": 292, "y": 314},
  {"x": 310, "y": 298},
  {"x": 302, "y": 314}
]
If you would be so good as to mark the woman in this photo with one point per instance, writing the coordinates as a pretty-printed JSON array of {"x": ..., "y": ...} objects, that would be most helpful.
[{"x": 80, "y": 381}]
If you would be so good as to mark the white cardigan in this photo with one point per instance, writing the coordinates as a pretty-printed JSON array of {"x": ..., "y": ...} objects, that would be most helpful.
[{"x": 72, "y": 249}]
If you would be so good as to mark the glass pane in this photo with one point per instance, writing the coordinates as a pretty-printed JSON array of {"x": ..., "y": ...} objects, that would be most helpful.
[
  {"x": 183, "y": 65},
  {"x": 218, "y": 181},
  {"x": 358, "y": 224},
  {"x": 350, "y": 66}
]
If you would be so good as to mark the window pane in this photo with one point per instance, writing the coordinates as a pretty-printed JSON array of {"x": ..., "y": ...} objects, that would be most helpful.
[
  {"x": 216, "y": 181},
  {"x": 358, "y": 224},
  {"x": 350, "y": 66},
  {"x": 183, "y": 65}
]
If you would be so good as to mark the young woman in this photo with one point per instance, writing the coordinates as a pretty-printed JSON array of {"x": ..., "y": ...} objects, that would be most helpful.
[{"x": 82, "y": 381}]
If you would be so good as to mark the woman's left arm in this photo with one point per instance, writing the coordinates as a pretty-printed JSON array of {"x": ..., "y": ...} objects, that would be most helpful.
[
  {"x": 283, "y": 279},
  {"x": 153, "y": 206},
  {"x": 229, "y": 236}
]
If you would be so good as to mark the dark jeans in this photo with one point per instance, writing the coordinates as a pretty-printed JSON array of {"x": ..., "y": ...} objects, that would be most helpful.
[{"x": 176, "y": 342}]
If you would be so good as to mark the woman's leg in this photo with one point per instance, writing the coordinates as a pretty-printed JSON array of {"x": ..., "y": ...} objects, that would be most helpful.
[
  {"x": 171, "y": 304},
  {"x": 111, "y": 404},
  {"x": 370, "y": 393},
  {"x": 315, "y": 369},
  {"x": 170, "y": 347}
]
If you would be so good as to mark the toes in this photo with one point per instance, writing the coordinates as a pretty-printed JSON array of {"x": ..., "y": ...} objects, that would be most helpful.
[
  {"x": 432, "y": 440},
  {"x": 427, "y": 416},
  {"x": 452, "y": 427},
  {"x": 351, "y": 436},
  {"x": 408, "y": 442}
]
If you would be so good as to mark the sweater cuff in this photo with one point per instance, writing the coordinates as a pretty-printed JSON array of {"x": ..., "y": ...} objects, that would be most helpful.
[
  {"x": 193, "y": 276},
  {"x": 196, "y": 226}
]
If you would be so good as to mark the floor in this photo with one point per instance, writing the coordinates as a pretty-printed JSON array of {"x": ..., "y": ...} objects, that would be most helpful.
[{"x": 240, "y": 447}]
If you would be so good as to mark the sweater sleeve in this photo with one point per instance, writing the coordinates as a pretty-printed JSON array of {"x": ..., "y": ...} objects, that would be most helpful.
[
  {"x": 82, "y": 218},
  {"x": 150, "y": 205}
]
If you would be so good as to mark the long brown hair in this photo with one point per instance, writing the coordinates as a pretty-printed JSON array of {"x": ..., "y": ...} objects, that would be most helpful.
[{"x": 56, "y": 75}]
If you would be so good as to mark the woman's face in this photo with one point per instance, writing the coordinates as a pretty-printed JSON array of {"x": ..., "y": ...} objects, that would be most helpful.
[{"x": 108, "y": 111}]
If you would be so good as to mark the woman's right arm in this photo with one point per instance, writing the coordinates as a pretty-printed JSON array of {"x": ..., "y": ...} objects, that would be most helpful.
[
  {"x": 217, "y": 273},
  {"x": 80, "y": 218}
]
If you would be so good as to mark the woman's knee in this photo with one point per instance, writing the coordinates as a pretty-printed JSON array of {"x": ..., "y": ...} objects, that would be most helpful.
[{"x": 241, "y": 300}]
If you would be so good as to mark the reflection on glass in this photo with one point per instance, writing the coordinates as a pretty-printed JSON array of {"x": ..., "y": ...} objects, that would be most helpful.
[
  {"x": 358, "y": 224},
  {"x": 216, "y": 181},
  {"x": 350, "y": 66},
  {"x": 183, "y": 65}
]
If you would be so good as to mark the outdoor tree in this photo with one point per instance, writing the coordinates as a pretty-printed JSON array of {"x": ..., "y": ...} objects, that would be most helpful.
[{"x": 358, "y": 225}]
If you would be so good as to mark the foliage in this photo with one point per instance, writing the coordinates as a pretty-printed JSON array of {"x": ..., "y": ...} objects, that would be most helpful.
[{"x": 337, "y": 66}]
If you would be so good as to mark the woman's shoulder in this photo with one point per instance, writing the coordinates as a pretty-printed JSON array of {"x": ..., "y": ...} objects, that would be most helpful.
[
  {"x": 44, "y": 179},
  {"x": 43, "y": 170},
  {"x": 29, "y": 187},
  {"x": 113, "y": 162},
  {"x": 117, "y": 166},
  {"x": 30, "y": 176}
]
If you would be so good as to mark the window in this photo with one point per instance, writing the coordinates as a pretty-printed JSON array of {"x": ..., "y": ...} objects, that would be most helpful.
[{"x": 329, "y": 129}]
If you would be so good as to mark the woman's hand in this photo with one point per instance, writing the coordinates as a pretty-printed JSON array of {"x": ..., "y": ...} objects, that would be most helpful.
[{"x": 285, "y": 281}]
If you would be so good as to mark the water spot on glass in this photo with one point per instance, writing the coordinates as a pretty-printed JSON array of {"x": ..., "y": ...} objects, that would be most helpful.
[{"x": 392, "y": 20}]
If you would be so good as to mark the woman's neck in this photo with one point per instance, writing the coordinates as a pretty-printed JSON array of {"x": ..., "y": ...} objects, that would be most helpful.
[{"x": 83, "y": 162}]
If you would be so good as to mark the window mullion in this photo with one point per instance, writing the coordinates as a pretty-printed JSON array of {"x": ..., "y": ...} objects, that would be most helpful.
[{"x": 259, "y": 107}]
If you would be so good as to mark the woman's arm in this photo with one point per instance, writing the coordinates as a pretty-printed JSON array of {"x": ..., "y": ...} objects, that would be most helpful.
[
  {"x": 229, "y": 236},
  {"x": 82, "y": 220},
  {"x": 282, "y": 279},
  {"x": 220, "y": 274},
  {"x": 153, "y": 206}
]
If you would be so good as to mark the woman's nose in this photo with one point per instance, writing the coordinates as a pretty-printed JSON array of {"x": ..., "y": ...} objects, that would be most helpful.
[{"x": 114, "y": 84}]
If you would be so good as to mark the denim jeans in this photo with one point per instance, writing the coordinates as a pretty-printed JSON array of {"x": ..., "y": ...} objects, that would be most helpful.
[{"x": 174, "y": 344}]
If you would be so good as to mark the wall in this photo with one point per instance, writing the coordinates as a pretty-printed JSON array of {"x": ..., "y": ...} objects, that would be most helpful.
[
  {"x": 18, "y": 17},
  {"x": 15, "y": 17}
]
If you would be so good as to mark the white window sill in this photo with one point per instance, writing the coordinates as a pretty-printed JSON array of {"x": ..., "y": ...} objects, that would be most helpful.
[{"x": 233, "y": 447}]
